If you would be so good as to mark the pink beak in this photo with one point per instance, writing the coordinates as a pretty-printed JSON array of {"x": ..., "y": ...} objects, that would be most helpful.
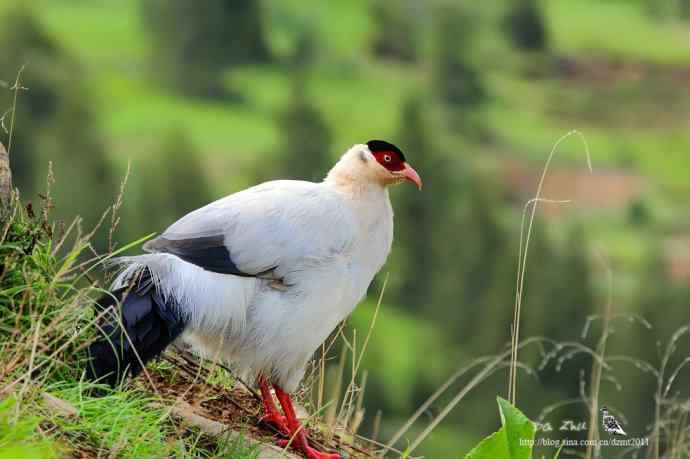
[{"x": 410, "y": 174}]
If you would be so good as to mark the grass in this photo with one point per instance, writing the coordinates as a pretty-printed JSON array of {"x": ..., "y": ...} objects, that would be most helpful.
[
  {"x": 670, "y": 423},
  {"x": 524, "y": 121},
  {"x": 120, "y": 32},
  {"x": 347, "y": 16},
  {"x": 117, "y": 421},
  {"x": 19, "y": 437},
  {"x": 525, "y": 239},
  {"x": 217, "y": 129},
  {"x": 393, "y": 324},
  {"x": 670, "y": 410},
  {"x": 594, "y": 27},
  {"x": 46, "y": 322}
]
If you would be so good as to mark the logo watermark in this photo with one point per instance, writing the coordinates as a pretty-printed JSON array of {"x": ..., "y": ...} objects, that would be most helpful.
[
  {"x": 614, "y": 435},
  {"x": 567, "y": 425},
  {"x": 567, "y": 443}
]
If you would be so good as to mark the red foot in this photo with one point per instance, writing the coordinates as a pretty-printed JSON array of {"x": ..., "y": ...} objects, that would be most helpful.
[
  {"x": 278, "y": 422},
  {"x": 308, "y": 451},
  {"x": 297, "y": 433},
  {"x": 272, "y": 416}
]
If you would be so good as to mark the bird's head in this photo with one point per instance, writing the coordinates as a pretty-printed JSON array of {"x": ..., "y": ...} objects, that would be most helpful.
[
  {"x": 393, "y": 168},
  {"x": 376, "y": 161},
  {"x": 604, "y": 409}
]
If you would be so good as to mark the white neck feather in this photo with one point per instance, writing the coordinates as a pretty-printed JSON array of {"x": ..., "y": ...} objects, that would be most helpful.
[{"x": 356, "y": 175}]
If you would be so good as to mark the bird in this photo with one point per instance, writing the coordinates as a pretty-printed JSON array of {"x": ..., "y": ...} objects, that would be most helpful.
[
  {"x": 258, "y": 279},
  {"x": 611, "y": 425}
]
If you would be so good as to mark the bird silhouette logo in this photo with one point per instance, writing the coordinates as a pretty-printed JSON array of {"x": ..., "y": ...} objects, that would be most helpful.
[{"x": 611, "y": 425}]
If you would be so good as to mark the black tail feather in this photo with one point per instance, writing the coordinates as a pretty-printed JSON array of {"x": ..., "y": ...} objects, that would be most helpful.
[{"x": 147, "y": 325}]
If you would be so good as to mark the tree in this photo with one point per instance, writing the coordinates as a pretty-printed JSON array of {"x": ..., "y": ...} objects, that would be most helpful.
[
  {"x": 306, "y": 139},
  {"x": 394, "y": 30},
  {"x": 25, "y": 45},
  {"x": 525, "y": 26},
  {"x": 457, "y": 80},
  {"x": 418, "y": 213},
  {"x": 684, "y": 9},
  {"x": 665, "y": 9},
  {"x": 639, "y": 213},
  {"x": 194, "y": 42},
  {"x": 53, "y": 122},
  {"x": 169, "y": 186},
  {"x": 306, "y": 50},
  {"x": 449, "y": 240}
]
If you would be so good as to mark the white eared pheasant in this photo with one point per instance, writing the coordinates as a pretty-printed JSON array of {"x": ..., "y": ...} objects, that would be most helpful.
[{"x": 260, "y": 278}]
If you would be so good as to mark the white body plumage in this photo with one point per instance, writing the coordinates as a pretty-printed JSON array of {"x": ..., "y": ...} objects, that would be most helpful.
[{"x": 317, "y": 246}]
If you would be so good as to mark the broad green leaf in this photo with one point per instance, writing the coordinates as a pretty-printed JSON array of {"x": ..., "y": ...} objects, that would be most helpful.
[
  {"x": 519, "y": 430},
  {"x": 492, "y": 447},
  {"x": 27, "y": 452},
  {"x": 513, "y": 441}
]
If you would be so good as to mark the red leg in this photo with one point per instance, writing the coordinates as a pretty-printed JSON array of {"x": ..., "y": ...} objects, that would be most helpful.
[
  {"x": 297, "y": 434},
  {"x": 271, "y": 414}
]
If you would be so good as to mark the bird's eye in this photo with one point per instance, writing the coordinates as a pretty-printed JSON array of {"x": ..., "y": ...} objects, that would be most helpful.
[{"x": 387, "y": 158}]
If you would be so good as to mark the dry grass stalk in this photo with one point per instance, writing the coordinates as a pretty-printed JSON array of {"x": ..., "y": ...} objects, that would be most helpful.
[
  {"x": 522, "y": 260},
  {"x": 489, "y": 365},
  {"x": 5, "y": 181},
  {"x": 15, "y": 88},
  {"x": 186, "y": 412},
  {"x": 353, "y": 391},
  {"x": 597, "y": 366},
  {"x": 59, "y": 406},
  {"x": 5, "y": 171}
]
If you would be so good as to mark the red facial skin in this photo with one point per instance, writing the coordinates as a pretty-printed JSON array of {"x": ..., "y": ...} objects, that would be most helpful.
[
  {"x": 390, "y": 160},
  {"x": 394, "y": 163}
]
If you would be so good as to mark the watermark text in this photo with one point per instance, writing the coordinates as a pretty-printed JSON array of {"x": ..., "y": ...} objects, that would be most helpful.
[{"x": 608, "y": 442}]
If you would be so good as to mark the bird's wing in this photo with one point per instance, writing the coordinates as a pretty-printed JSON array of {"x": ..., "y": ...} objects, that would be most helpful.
[{"x": 266, "y": 230}]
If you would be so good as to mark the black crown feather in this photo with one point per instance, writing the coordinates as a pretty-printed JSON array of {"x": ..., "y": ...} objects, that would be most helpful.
[{"x": 382, "y": 145}]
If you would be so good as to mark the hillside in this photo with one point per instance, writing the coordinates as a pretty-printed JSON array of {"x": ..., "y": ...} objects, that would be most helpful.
[
  {"x": 607, "y": 88},
  {"x": 522, "y": 115},
  {"x": 477, "y": 108}
]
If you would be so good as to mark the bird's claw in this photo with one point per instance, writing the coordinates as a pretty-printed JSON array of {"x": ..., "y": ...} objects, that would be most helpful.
[
  {"x": 308, "y": 451},
  {"x": 278, "y": 422}
]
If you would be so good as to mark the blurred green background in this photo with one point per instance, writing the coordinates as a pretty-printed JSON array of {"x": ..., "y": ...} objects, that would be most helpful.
[{"x": 206, "y": 98}]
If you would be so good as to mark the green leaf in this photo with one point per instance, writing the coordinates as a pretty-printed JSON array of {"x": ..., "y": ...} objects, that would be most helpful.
[
  {"x": 492, "y": 447},
  {"x": 513, "y": 441},
  {"x": 27, "y": 452},
  {"x": 519, "y": 430}
]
